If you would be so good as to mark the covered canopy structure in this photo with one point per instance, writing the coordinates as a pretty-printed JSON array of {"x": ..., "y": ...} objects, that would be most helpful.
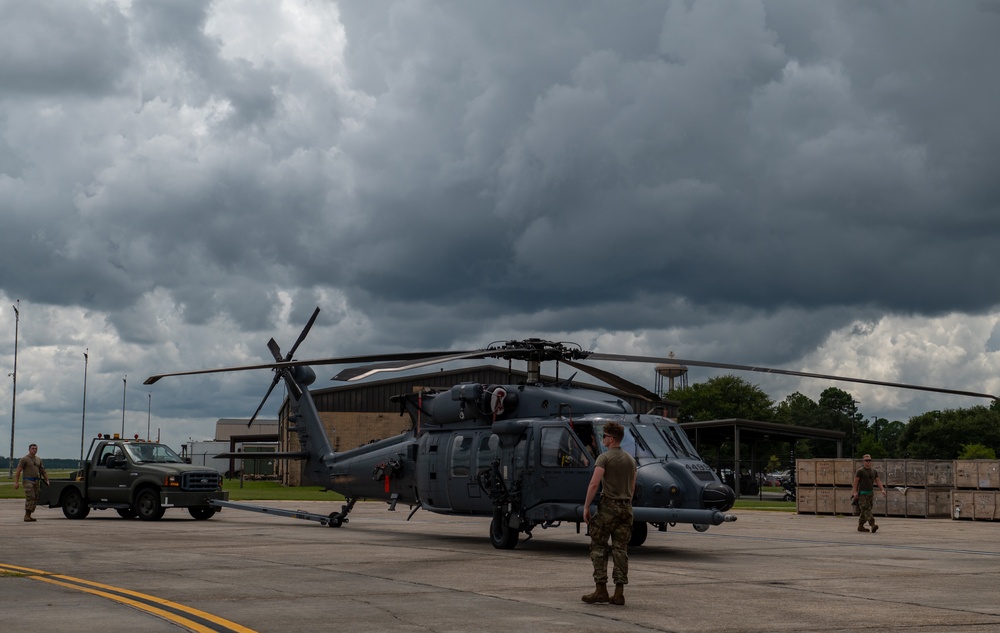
[{"x": 739, "y": 431}]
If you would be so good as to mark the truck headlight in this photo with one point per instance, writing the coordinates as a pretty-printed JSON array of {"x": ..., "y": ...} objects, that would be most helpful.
[{"x": 172, "y": 481}]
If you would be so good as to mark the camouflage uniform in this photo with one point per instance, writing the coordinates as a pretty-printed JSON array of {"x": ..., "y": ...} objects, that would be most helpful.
[
  {"x": 865, "y": 503},
  {"x": 614, "y": 520},
  {"x": 34, "y": 472}
]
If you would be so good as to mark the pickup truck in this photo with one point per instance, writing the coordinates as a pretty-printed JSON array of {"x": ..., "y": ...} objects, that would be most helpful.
[{"x": 136, "y": 478}]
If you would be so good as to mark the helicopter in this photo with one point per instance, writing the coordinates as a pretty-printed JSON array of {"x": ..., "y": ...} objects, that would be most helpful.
[{"x": 521, "y": 454}]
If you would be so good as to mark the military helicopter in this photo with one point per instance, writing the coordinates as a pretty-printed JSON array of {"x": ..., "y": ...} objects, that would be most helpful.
[{"x": 521, "y": 454}]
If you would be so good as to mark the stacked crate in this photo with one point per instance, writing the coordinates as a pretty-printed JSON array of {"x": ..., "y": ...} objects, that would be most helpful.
[
  {"x": 976, "y": 494},
  {"x": 914, "y": 488}
]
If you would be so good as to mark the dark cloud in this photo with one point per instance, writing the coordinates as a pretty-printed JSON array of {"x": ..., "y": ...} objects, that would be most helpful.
[{"x": 800, "y": 184}]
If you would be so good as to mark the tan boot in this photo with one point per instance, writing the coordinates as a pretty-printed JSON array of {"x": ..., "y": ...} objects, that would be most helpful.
[
  {"x": 862, "y": 528},
  {"x": 27, "y": 518},
  {"x": 600, "y": 594},
  {"x": 619, "y": 597},
  {"x": 874, "y": 527}
]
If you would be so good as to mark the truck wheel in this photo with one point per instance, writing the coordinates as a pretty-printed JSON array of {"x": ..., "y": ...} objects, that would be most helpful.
[
  {"x": 147, "y": 505},
  {"x": 202, "y": 514},
  {"x": 73, "y": 505}
]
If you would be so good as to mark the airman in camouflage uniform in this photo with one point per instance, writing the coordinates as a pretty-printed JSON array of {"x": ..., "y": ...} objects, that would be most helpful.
[
  {"x": 865, "y": 481},
  {"x": 34, "y": 472},
  {"x": 615, "y": 471}
]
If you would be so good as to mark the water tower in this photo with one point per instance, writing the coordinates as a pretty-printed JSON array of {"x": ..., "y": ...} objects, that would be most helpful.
[{"x": 670, "y": 372}]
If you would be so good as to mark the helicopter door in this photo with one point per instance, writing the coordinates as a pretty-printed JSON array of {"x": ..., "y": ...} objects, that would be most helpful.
[
  {"x": 470, "y": 450},
  {"x": 565, "y": 467}
]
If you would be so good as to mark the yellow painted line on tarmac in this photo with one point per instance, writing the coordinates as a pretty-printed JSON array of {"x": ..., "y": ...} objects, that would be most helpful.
[{"x": 183, "y": 616}]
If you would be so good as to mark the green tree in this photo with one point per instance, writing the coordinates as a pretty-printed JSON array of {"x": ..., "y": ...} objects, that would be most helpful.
[
  {"x": 941, "y": 434},
  {"x": 723, "y": 398},
  {"x": 797, "y": 409},
  {"x": 977, "y": 451}
]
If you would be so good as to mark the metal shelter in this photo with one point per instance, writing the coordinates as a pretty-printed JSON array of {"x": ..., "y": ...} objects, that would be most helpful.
[{"x": 739, "y": 431}]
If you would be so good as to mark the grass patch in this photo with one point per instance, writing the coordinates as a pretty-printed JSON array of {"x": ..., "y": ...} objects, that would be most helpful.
[{"x": 274, "y": 491}]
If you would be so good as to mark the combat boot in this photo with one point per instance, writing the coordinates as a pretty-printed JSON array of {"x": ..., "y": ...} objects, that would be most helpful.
[
  {"x": 862, "y": 528},
  {"x": 600, "y": 594},
  {"x": 874, "y": 527},
  {"x": 619, "y": 597},
  {"x": 28, "y": 518}
]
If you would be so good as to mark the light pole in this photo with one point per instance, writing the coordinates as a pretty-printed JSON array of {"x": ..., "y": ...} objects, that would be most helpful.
[
  {"x": 83, "y": 420},
  {"x": 13, "y": 404},
  {"x": 124, "y": 385},
  {"x": 149, "y": 414}
]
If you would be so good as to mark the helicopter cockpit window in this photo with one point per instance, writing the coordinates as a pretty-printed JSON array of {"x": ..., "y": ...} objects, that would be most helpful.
[
  {"x": 562, "y": 449},
  {"x": 461, "y": 456},
  {"x": 652, "y": 438}
]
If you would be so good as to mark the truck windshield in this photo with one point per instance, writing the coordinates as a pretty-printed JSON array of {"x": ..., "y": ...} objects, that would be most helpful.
[{"x": 158, "y": 453}]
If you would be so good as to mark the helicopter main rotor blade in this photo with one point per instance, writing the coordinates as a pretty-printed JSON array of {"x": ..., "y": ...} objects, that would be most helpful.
[
  {"x": 364, "y": 371},
  {"x": 343, "y": 360},
  {"x": 615, "y": 381},
  {"x": 260, "y": 406},
  {"x": 784, "y": 372}
]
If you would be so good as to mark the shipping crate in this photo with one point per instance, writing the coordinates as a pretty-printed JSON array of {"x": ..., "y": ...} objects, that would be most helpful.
[
  {"x": 805, "y": 500},
  {"x": 805, "y": 472},
  {"x": 895, "y": 502},
  {"x": 880, "y": 507},
  {"x": 824, "y": 472},
  {"x": 962, "y": 504},
  {"x": 842, "y": 501},
  {"x": 966, "y": 473},
  {"x": 843, "y": 472},
  {"x": 825, "y": 501},
  {"x": 938, "y": 502},
  {"x": 989, "y": 473},
  {"x": 894, "y": 473},
  {"x": 916, "y": 502},
  {"x": 915, "y": 473},
  {"x": 985, "y": 505},
  {"x": 940, "y": 473}
]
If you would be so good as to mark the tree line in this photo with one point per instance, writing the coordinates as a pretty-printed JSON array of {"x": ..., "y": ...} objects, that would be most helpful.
[{"x": 968, "y": 433}]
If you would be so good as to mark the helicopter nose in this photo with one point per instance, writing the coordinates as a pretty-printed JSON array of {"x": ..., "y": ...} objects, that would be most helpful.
[{"x": 718, "y": 496}]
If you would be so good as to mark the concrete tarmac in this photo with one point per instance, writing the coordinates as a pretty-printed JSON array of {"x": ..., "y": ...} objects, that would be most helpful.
[{"x": 769, "y": 571}]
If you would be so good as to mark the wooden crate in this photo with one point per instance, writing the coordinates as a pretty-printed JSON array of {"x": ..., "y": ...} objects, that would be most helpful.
[
  {"x": 842, "y": 501},
  {"x": 962, "y": 504},
  {"x": 894, "y": 473},
  {"x": 825, "y": 503},
  {"x": 940, "y": 472},
  {"x": 916, "y": 501},
  {"x": 984, "y": 505},
  {"x": 915, "y": 472},
  {"x": 966, "y": 473},
  {"x": 805, "y": 500},
  {"x": 895, "y": 502},
  {"x": 989, "y": 473},
  {"x": 824, "y": 472},
  {"x": 843, "y": 472},
  {"x": 938, "y": 502},
  {"x": 805, "y": 472}
]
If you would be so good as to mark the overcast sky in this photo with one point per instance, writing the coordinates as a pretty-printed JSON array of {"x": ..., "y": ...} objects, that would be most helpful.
[{"x": 805, "y": 185}]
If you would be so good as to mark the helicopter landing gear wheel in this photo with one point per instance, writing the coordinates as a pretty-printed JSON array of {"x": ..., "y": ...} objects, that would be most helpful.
[
  {"x": 502, "y": 535},
  {"x": 701, "y": 527},
  {"x": 639, "y": 532},
  {"x": 335, "y": 520}
]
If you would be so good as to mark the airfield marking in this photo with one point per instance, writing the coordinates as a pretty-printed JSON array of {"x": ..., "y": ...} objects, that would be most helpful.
[{"x": 179, "y": 614}]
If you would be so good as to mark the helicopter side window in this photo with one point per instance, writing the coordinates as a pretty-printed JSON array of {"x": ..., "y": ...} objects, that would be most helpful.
[
  {"x": 562, "y": 449},
  {"x": 461, "y": 456},
  {"x": 487, "y": 451}
]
